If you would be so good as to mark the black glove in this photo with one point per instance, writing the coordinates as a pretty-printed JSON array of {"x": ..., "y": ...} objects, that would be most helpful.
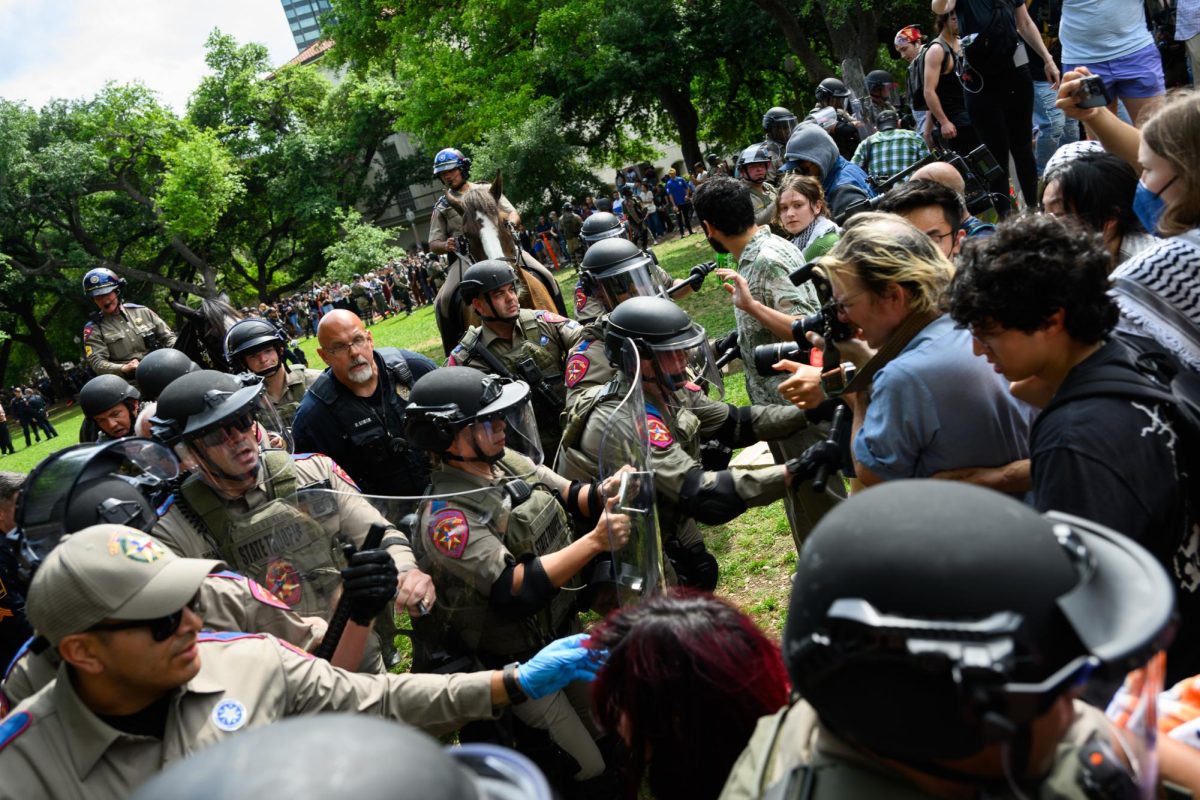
[
  {"x": 369, "y": 584},
  {"x": 805, "y": 467},
  {"x": 824, "y": 412},
  {"x": 696, "y": 277}
]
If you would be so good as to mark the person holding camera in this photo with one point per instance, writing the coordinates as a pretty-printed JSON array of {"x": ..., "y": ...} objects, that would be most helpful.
[
  {"x": 997, "y": 88},
  {"x": 921, "y": 401}
]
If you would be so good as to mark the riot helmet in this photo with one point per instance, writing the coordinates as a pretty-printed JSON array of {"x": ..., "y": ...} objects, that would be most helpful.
[
  {"x": 754, "y": 154},
  {"x": 882, "y": 88},
  {"x": 156, "y": 371},
  {"x": 450, "y": 158},
  {"x": 250, "y": 336},
  {"x": 830, "y": 90},
  {"x": 102, "y": 280},
  {"x": 778, "y": 123},
  {"x": 448, "y": 401},
  {"x": 481, "y": 279},
  {"x": 601, "y": 225},
  {"x": 119, "y": 482},
  {"x": 675, "y": 351},
  {"x": 931, "y": 619},
  {"x": 616, "y": 269},
  {"x": 105, "y": 391},
  {"x": 348, "y": 755}
]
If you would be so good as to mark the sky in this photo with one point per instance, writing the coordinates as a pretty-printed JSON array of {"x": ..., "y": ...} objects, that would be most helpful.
[{"x": 71, "y": 48}]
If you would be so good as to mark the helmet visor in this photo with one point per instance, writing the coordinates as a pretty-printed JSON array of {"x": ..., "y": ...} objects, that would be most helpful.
[
  {"x": 1127, "y": 753},
  {"x": 683, "y": 368},
  {"x": 611, "y": 233},
  {"x": 630, "y": 280},
  {"x": 781, "y": 129},
  {"x": 510, "y": 428}
]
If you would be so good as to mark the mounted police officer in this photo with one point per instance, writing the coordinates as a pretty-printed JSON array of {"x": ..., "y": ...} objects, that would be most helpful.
[
  {"x": 939, "y": 634},
  {"x": 354, "y": 413},
  {"x": 119, "y": 334},
  {"x": 675, "y": 358},
  {"x": 453, "y": 169},
  {"x": 250, "y": 508},
  {"x": 121, "y": 483},
  {"x": 517, "y": 343},
  {"x": 110, "y": 403},
  {"x": 255, "y": 345},
  {"x": 753, "y": 166},
  {"x": 497, "y": 540}
]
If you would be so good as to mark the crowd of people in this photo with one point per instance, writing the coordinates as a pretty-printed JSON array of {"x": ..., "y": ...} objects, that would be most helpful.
[{"x": 977, "y": 392}]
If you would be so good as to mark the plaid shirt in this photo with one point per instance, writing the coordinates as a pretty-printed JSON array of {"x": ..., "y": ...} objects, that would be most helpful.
[
  {"x": 883, "y": 154},
  {"x": 765, "y": 263}
]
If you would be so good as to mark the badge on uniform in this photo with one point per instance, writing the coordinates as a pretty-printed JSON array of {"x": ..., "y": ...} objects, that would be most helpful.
[
  {"x": 135, "y": 547},
  {"x": 88, "y": 330},
  {"x": 283, "y": 581},
  {"x": 341, "y": 473},
  {"x": 550, "y": 316},
  {"x": 580, "y": 300},
  {"x": 545, "y": 340},
  {"x": 13, "y": 726},
  {"x": 577, "y": 367},
  {"x": 229, "y": 715},
  {"x": 660, "y": 434},
  {"x": 448, "y": 531}
]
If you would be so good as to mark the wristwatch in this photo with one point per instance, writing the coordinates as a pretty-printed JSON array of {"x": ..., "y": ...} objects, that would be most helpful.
[{"x": 516, "y": 695}]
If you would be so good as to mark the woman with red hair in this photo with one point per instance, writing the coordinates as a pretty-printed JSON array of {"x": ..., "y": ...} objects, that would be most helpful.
[{"x": 687, "y": 678}]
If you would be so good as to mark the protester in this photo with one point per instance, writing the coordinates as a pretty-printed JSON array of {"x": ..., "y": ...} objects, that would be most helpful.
[{"x": 802, "y": 214}]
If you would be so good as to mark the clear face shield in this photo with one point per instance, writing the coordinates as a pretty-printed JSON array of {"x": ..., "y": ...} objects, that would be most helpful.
[
  {"x": 49, "y": 492},
  {"x": 512, "y": 427},
  {"x": 781, "y": 129},
  {"x": 885, "y": 94},
  {"x": 630, "y": 280},
  {"x": 678, "y": 371}
]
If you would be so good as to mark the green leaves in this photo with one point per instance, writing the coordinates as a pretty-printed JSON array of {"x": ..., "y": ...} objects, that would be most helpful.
[{"x": 199, "y": 184}]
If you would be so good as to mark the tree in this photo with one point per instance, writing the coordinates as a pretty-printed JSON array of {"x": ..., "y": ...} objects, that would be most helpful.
[{"x": 363, "y": 248}]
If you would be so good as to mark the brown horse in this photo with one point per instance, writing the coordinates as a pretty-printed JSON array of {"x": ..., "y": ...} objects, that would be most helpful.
[{"x": 488, "y": 237}]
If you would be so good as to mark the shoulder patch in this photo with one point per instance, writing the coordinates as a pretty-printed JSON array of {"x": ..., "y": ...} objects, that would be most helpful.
[
  {"x": 88, "y": 330},
  {"x": 448, "y": 531},
  {"x": 226, "y": 636},
  {"x": 264, "y": 596},
  {"x": 283, "y": 581},
  {"x": 584, "y": 345},
  {"x": 580, "y": 299},
  {"x": 13, "y": 726},
  {"x": 576, "y": 369},
  {"x": 660, "y": 434},
  {"x": 550, "y": 316},
  {"x": 298, "y": 651}
]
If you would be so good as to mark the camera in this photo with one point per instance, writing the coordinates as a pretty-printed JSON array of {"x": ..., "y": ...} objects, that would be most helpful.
[
  {"x": 1092, "y": 93},
  {"x": 765, "y": 355}
]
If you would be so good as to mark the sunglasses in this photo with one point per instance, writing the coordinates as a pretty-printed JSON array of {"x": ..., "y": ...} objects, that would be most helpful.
[
  {"x": 161, "y": 629},
  {"x": 220, "y": 434}
]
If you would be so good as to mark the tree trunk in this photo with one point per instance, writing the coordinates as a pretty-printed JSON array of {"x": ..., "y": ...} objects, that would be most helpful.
[
  {"x": 797, "y": 40},
  {"x": 5, "y": 352},
  {"x": 852, "y": 32},
  {"x": 36, "y": 339},
  {"x": 678, "y": 104}
]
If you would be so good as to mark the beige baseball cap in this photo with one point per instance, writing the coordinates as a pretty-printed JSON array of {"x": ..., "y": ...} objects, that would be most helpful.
[{"x": 110, "y": 572}]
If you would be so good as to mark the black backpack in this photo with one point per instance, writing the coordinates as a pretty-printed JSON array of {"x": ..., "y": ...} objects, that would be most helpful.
[{"x": 992, "y": 49}]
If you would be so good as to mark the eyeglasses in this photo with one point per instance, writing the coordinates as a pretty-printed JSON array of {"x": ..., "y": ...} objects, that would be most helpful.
[
  {"x": 937, "y": 237},
  {"x": 840, "y": 305},
  {"x": 337, "y": 350},
  {"x": 219, "y": 435},
  {"x": 161, "y": 629}
]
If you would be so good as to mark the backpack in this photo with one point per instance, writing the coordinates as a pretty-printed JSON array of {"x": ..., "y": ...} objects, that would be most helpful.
[
  {"x": 915, "y": 84},
  {"x": 991, "y": 51}
]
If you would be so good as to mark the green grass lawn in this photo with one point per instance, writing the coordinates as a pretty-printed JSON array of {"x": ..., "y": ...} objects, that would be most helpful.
[{"x": 66, "y": 420}]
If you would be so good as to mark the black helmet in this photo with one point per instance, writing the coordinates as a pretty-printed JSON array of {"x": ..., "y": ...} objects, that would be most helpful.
[
  {"x": 931, "y": 618},
  {"x": 754, "y": 154},
  {"x": 103, "y": 392},
  {"x": 601, "y": 225},
  {"x": 778, "y": 123},
  {"x": 249, "y": 336},
  {"x": 566, "y": 206},
  {"x": 102, "y": 280},
  {"x": 111, "y": 482},
  {"x": 156, "y": 371},
  {"x": 199, "y": 401},
  {"x": 347, "y": 755},
  {"x": 445, "y": 401},
  {"x": 615, "y": 269},
  {"x": 486, "y": 276},
  {"x": 647, "y": 322},
  {"x": 831, "y": 88},
  {"x": 879, "y": 77}
]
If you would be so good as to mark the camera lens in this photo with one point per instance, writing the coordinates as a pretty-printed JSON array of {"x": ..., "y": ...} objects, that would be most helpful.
[{"x": 765, "y": 355}]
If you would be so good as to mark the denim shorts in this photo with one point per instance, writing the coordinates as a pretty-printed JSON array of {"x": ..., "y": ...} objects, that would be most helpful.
[{"x": 1138, "y": 74}]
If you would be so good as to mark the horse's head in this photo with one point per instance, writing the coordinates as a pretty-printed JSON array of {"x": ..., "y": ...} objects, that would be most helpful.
[{"x": 482, "y": 224}]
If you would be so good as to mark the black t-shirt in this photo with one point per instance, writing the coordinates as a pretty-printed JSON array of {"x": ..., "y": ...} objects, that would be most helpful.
[
  {"x": 974, "y": 15},
  {"x": 1112, "y": 460}
]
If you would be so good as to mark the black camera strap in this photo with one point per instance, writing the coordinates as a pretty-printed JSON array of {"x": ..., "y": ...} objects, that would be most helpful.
[{"x": 908, "y": 330}]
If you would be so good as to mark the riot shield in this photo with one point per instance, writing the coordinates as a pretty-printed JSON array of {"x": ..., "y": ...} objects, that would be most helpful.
[{"x": 624, "y": 459}]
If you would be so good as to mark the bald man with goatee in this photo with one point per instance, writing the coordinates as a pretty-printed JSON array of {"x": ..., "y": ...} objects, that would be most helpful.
[{"x": 354, "y": 413}]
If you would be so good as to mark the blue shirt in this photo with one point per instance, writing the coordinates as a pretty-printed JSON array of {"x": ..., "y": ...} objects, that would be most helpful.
[
  {"x": 937, "y": 406},
  {"x": 1093, "y": 31},
  {"x": 677, "y": 187}
]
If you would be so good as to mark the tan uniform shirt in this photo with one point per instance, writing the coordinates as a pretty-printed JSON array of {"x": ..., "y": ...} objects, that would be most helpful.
[
  {"x": 58, "y": 748},
  {"x": 445, "y": 222},
  {"x": 762, "y": 197},
  {"x": 230, "y": 602},
  {"x": 297, "y": 378},
  {"x": 113, "y": 340}
]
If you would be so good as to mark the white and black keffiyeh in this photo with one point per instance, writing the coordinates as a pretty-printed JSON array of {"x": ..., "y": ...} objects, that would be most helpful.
[
  {"x": 815, "y": 230},
  {"x": 1158, "y": 291}
]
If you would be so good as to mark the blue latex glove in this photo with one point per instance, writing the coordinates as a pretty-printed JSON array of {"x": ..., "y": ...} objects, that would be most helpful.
[{"x": 559, "y": 663}]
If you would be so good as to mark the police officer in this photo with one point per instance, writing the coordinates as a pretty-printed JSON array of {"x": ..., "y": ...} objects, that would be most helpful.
[
  {"x": 154, "y": 373},
  {"x": 678, "y": 415},
  {"x": 354, "y": 413},
  {"x": 121, "y": 483},
  {"x": 752, "y": 168},
  {"x": 141, "y": 686},
  {"x": 14, "y": 629},
  {"x": 571, "y": 225},
  {"x": 111, "y": 404},
  {"x": 249, "y": 508},
  {"x": 255, "y": 345},
  {"x": 832, "y": 94},
  {"x": 599, "y": 227},
  {"x": 453, "y": 169},
  {"x": 498, "y": 541},
  {"x": 778, "y": 124},
  {"x": 515, "y": 342},
  {"x": 635, "y": 211},
  {"x": 937, "y": 664},
  {"x": 119, "y": 334}
]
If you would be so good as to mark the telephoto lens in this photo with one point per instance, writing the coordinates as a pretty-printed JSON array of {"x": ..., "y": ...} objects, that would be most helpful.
[{"x": 765, "y": 355}]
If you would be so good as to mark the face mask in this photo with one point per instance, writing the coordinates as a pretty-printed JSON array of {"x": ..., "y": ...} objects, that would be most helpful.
[{"x": 1149, "y": 206}]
